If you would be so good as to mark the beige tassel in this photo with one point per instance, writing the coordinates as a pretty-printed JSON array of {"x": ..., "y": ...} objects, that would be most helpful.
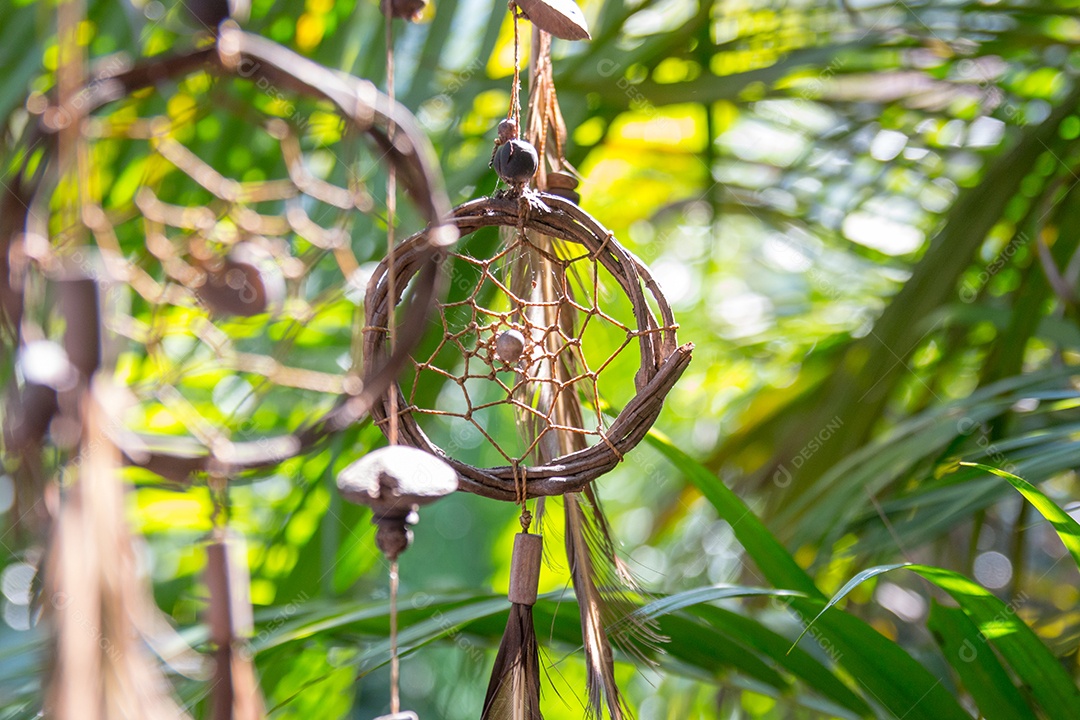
[{"x": 514, "y": 690}]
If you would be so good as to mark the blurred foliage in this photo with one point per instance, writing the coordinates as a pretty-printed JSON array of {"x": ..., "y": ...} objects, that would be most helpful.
[{"x": 865, "y": 215}]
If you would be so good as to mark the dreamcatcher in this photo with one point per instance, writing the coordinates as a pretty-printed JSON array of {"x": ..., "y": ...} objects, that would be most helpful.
[
  {"x": 213, "y": 282},
  {"x": 240, "y": 274},
  {"x": 533, "y": 345}
]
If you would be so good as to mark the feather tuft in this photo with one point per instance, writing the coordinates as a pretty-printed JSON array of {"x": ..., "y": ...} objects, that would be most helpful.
[{"x": 514, "y": 690}]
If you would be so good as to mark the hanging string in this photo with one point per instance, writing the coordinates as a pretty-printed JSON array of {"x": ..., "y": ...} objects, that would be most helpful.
[
  {"x": 391, "y": 211},
  {"x": 391, "y": 283},
  {"x": 515, "y": 91},
  {"x": 515, "y": 115},
  {"x": 395, "y": 665},
  {"x": 521, "y": 495},
  {"x": 217, "y": 484},
  {"x": 73, "y": 171}
]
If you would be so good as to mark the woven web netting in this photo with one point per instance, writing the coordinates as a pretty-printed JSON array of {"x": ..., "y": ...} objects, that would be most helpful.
[
  {"x": 234, "y": 222},
  {"x": 578, "y": 353}
]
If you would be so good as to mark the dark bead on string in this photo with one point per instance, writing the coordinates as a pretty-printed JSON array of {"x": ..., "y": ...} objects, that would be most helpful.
[
  {"x": 508, "y": 130},
  {"x": 516, "y": 162},
  {"x": 509, "y": 346},
  {"x": 244, "y": 283}
]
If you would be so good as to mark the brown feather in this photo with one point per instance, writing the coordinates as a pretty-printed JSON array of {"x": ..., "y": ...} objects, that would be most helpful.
[
  {"x": 618, "y": 588},
  {"x": 600, "y": 664},
  {"x": 514, "y": 690}
]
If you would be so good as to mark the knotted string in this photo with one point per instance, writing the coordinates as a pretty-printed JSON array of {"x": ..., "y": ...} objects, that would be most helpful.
[
  {"x": 391, "y": 282},
  {"x": 521, "y": 495},
  {"x": 515, "y": 91}
]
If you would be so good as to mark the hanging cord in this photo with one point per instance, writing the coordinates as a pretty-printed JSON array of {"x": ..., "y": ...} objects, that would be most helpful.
[
  {"x": 521, "y": 496},
  {"x": 515, "y": 115},
  {"x": 515, "y": 91},
  {"x": 391, "y": 212},
  {"x": 221, "y": 634},
  {"x": 391, "y": 284},
  {"x": 395, "y": 663}
]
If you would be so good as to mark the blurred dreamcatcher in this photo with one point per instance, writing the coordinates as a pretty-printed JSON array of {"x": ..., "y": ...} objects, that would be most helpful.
[{"x": 139, "y": 240}]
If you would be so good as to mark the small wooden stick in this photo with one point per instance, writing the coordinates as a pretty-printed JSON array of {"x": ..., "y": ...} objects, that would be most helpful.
[{"x": 525, "y": 568}]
